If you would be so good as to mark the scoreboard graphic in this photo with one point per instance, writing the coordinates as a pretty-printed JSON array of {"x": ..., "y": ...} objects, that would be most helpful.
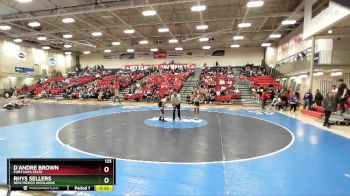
[{"x": 61, "y": 174}]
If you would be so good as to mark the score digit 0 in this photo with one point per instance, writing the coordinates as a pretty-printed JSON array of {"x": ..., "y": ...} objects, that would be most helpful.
[
  {"x": 106, "y": 180},
  {"x": 106, "y": 169}
]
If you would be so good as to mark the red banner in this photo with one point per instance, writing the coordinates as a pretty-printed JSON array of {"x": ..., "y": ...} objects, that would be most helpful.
[
  {"x": 159, "y": 55},
  {"x": 159, "y": 66}
]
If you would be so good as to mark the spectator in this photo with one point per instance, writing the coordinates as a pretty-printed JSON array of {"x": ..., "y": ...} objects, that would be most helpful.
[
  {"x": 318, "y": 98},
  {"x": 254, "y": 94},
  {"x": 264, "y": 98},
  {"x": 188, "y": 99},
  {"x": 100, "y": 95},
  {"x": 297, "y": 94},
  {"x": 293, "y": 101},
  {"x": 25, "y": 87},
  {"x": 116, "y": 95},
  {"x": 278, "y": 103},
  {"x": 259, "y": 91},
  {"x": 334, "y": 89},
  {"x": 329, "y": 105},
  {"x": 241, "y": 77},
  {"x": 275, "y": 100},
  {"x": 308, "y": 100},
  {"x": 340, "y": 96},
  {"x": 284, "y": 100}
]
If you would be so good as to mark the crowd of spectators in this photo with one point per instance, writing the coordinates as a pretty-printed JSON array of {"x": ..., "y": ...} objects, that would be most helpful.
[
  {"x": 338, "y": 99},
  {"x": 215, "y": 83},
  {"x": 250, "y": 70},
  {"x": 70, "y": 86},
  {"x": 104, "y": 87},
  {"x": 159, "y": 83},
  {"x": 97, "y": 83}
]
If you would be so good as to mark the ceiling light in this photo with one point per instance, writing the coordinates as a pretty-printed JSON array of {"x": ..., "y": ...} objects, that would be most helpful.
[
  {"x": 235, "y": 46},
  {"x": 46, "y": 47},
  {"x": 67, "y": 45},
  {"x": 42, "y": 38},
  {"x": 202, "y": 27},
  {"x": 149, "y": 13},
  {"x": 266, "y": 44},
  {"x": 17, "y": 40},
  {"x": 68, "y": 20},
  {"x": 318, "y": 74},
  {"x": 173, "y": 41},
  {"x": 336, "y": 73},
  {"x": 129, "y": 31},
  {"x": 34, "y": 24},
  {"x": 238, "y": 37},
  {"x": 330, "y": 31},
  {"x": 67, "y": 36},
  {"x": 198, "y": 8},
  {"x": 154, "y": 49},
  {"x": 24, "y": 1},
  {"x": 203, "y": 39},
  {"x": 115, "y": 43},
  {"x": 244, "y": 25},
  {"x": 130, "y": 50},
  {"x": 206, "y": 47},
  {"x": 275, "y": 36},
  {"x": 143, "y": 42},
  {"x": 5, "y": 27},
  {"x": 336, "y": 70},
  {"x": 86, "y": 52},
  {"x": 68, "y": 53},
  {"x": 108, "y": 51},
  {"x": 179, "y": 48},
  {"x": 289, "y": 22},
  {"x": 255, "y": 3},
  {"x": 163, "y": 30},
  {"x": 303, "y": 76},
  {"x": 96, "y": 34},
  {"x": 12, "y": 78}
]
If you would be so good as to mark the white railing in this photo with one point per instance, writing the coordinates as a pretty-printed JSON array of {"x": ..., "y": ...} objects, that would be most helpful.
[
  {"x": 341, "y": 57},
  {"x": 325, "y": 57},
  {"x": 334, "y": 57}
]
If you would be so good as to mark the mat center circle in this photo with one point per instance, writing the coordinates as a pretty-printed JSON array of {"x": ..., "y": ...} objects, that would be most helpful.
[
  {"x": 139, "y": 135},
  {"x": 186, "y": 122}
]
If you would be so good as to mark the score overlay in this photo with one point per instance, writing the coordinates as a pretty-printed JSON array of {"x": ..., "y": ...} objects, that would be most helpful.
[{"x": 61, "y": 174}]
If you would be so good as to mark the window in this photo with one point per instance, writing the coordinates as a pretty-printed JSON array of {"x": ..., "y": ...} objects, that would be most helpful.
[{"x": 319, "y": 6}]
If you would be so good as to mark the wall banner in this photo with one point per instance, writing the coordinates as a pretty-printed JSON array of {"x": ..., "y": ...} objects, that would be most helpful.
[{"x": 21, "y": 55}]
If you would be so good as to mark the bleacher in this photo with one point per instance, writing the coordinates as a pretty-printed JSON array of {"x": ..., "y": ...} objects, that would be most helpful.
[
  {"x": 318, "y": 112},
  {"x": 220, "y": 80},
  {"x": 264, "y": 81},
  {"x": 119, "y": 81},
  {"x": 164, "y": 83},
  {"x": 38, "y": 88}
]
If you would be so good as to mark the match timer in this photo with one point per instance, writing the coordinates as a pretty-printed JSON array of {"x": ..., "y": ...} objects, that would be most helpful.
[{"x": 61, "y": 174}]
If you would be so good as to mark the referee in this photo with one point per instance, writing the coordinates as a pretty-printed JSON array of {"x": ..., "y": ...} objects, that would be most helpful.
[{"x": 176, "y": 102}]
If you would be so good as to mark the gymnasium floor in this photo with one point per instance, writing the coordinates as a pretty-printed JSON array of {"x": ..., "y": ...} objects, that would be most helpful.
[{"x": 229, "y": 151}]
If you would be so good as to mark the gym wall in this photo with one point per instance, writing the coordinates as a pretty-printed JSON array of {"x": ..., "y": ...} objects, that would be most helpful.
[
  {"x": 233, "y": 57},
  {"x": 32, "y": 57}
]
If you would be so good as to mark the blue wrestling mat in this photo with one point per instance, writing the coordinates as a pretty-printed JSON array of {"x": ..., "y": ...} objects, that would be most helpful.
[{"x": 225, "y": 152}]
